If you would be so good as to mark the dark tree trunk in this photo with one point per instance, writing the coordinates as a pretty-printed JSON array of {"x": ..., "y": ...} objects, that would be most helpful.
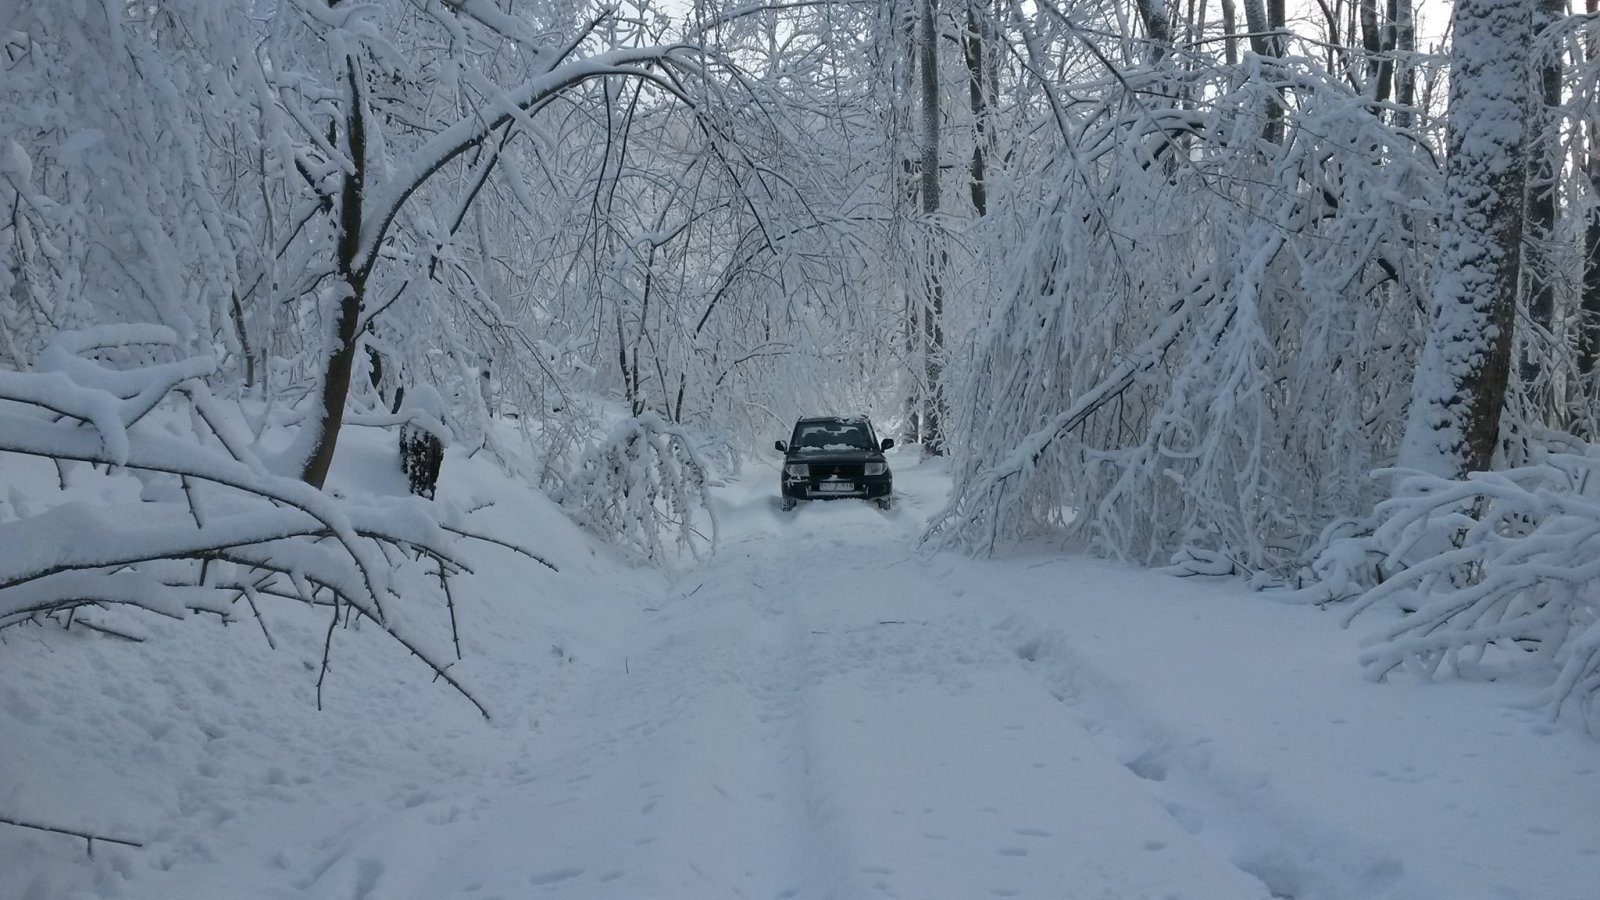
[
  {"x": 353, "y": 275},
  {"x": 1264, "y": 18},
  {"x": 1405, "y": 44},
  {"x": 1589, "y": 311},
  {"x": 1543, "y": 152},
  {"x": 1230, "y": 28},
  {"x": 978, "y": 44},
  {"x": 1377, "y": 40}
]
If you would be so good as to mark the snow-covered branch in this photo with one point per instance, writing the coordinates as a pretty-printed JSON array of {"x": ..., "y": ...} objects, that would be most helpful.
[
  {"x": 213, "y": 525},
  {"x": 1496, "y": 572},
  {"x": 644, "y": 488}
]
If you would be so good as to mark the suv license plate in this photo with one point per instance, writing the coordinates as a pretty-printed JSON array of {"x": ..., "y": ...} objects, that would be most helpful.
[{"x": 835, "y": 488}]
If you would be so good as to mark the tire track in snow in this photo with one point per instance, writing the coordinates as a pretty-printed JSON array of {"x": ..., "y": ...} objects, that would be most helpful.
[
  {"x": 680, "y": 774},
  {"x": 938, "y": 765},
  {"x": 1230, "y": 807}
]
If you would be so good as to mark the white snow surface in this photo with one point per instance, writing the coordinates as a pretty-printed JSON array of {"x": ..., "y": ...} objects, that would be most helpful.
[{"x": 819, "y": 711}]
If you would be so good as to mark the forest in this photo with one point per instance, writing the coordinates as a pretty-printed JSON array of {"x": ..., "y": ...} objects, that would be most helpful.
[{"x": 1307, "y": 296}]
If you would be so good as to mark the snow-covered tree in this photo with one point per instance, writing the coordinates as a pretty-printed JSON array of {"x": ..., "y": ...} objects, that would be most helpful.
[{"x": 1460, "y": 387}]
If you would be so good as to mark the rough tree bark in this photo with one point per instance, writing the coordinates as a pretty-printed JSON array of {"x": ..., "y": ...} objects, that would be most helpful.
[{"x": 1459, "y": 389}]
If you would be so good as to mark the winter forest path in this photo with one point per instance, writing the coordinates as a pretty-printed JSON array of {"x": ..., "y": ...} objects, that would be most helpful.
[
  {"x": 816, "y": 714},
  {"x": 820, "y": 711}
]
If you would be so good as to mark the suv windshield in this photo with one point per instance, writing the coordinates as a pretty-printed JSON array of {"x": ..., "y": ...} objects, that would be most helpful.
[{"x": 822, "y": 437}]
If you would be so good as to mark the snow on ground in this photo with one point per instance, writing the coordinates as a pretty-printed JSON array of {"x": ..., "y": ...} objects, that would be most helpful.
[{"x": 821, "y": 711}]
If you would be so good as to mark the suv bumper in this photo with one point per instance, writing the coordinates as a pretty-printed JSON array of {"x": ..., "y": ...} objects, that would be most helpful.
[{"x": 861, "y": 486}]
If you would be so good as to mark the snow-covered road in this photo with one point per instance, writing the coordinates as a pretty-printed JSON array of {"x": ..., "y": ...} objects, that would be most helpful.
[
  {"x": 816, "y": 715},
  {"x": 820, "y": 712}
]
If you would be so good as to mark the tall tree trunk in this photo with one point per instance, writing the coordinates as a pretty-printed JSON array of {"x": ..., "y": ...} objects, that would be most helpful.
[
  {"x": 1377, "y": 40},
  {"x": 1264, "y": 18},
  {"x": 978, "y": 44},
  {"x": 933, "y": 314},
  {"x": 352, "y": 275},
  {"x": 1589, "y": 308},
  {"x": 1459, "y": 389},
  {"x": 1544, "y": 149},
  {"x": 1255, "y": 21},
  {"x": 1405, "y": 44},
  {"x": 1278, "y": 21},
  {"x": 1157, "y": 26},
  {"x": 1230, "y": 28},
  {"x": 1589, "y": 312}
]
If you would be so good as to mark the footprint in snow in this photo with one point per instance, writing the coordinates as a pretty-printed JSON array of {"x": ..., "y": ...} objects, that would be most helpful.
[{"x": 554, "y": 875}]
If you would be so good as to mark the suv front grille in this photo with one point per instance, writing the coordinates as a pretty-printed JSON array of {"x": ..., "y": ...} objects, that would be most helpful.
[{"x": 821, "y": 471}]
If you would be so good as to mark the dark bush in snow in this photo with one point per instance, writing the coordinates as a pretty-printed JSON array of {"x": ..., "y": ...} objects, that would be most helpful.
[{"x": 421, "y": 454}]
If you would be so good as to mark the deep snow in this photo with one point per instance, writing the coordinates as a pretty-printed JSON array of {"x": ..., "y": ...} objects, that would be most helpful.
[{"x": 821, "y": 711}]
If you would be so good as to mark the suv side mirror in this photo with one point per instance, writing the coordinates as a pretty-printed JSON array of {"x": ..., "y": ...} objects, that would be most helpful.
[
  {"x": 887, "y": 443},
  {"x": 782, "y": 447}
]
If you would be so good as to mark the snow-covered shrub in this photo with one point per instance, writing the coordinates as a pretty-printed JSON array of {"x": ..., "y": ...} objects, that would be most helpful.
[
  {"x": 644, "y": 488},
  {"x": 212, "y": 530},
  {"x": 1497, "y": 572}
]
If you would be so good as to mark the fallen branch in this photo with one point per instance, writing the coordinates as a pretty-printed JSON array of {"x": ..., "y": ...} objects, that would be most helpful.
[{"x": 86, "y": 836}]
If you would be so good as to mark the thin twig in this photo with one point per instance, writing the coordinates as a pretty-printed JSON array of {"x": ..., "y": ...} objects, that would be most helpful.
[
  {"x": 249, "y": 594},
  {"x": 461, "y": 532},
  {"x": 450, "y": 603},
  {"x": 188, "y": 494},
  {"x": 327, "y": 650},
  {"x": 110, "y": 632}
]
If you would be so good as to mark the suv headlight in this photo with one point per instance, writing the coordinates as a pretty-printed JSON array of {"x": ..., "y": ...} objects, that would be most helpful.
[
  {"x": 876, "y": 468},
  {"x": 797, "y": 470}
]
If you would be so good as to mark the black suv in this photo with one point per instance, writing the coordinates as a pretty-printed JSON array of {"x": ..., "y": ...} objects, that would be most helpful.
[{"x": 832, "y": 456}]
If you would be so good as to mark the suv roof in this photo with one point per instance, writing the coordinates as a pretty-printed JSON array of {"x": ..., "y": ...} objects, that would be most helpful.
[{"x": 850, "y": 419}]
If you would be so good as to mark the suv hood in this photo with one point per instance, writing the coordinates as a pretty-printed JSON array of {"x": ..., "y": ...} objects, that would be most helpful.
[{"x": 835, "y": 456}]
